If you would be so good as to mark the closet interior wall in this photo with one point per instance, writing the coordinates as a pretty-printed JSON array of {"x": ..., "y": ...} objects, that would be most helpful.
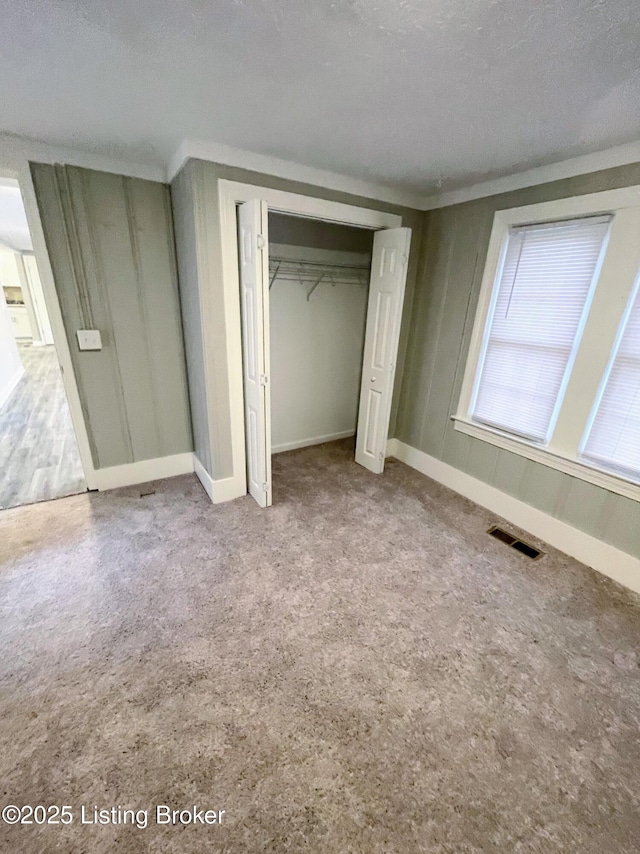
[{"x": 319, "y": 274}]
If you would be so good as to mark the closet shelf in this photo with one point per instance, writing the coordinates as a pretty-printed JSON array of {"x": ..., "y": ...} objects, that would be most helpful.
[{"x": 311, "y": 273}]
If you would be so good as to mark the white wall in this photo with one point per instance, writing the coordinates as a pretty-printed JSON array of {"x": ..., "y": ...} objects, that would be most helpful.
[
  {"x": 316, "y": 359},
  {"x": 9, "y": 269},
  {"x": 10, "y": 365},
  {"x": 32, "y": 285},
  {"x": 15, "y": 239},
  {"x": 14, "y": 228}
]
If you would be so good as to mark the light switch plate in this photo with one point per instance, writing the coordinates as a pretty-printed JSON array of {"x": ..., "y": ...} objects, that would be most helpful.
[{"x": 89, "y": 339}]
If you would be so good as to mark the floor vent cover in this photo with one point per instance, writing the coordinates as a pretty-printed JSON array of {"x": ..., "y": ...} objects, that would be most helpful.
[{"x": 514, "y": 542}]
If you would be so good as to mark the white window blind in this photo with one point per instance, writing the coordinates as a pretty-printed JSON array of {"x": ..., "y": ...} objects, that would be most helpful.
[
  {"x": 543, "y": 289},
  {"x": 614, "y": 438}
]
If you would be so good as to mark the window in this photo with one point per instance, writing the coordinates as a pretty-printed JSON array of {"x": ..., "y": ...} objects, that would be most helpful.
[
  {"x": 541, "y": 297},
  {"x": 613, "y": 439},
  {"x": 553, "y": 371}
]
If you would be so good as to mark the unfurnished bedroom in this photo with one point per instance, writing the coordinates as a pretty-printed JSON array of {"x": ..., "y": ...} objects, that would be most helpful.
[{"x": 320, "y": 427}]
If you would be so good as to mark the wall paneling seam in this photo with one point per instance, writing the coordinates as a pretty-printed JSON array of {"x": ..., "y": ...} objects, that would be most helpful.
[
  {"x": 76, "y": 261},
  {"x": 132, "y": 229}
]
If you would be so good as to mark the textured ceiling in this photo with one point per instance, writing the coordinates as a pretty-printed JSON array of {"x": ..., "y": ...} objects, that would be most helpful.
[{"x": 407, "y": 92}]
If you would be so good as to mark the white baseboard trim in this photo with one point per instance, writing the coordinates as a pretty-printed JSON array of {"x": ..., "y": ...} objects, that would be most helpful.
[
  {"x": 392, "y": 448},
  {"x": 9, "y": 389},
  {"x": 143, "y": 471},
  {"x": 204, "y": 477},
  {"x": 315, "y": 440},
  {"x": 224, "y": 489},
  {"x": 610, "y": 561}
]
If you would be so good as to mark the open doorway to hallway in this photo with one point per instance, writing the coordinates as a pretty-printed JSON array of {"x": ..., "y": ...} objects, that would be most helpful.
[{"x": 39, "y": 457}]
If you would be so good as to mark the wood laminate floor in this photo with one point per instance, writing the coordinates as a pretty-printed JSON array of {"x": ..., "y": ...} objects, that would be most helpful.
[{"x": 39, "y": 457}]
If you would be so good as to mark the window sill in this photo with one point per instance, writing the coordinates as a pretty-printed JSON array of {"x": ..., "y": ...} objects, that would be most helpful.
[{"x": 582, "y": 470}]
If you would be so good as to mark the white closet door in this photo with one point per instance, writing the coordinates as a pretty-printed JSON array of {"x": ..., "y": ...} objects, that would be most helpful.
[
  {"x": 386, "y": 295},
  {"x": 254, "y": 290}
]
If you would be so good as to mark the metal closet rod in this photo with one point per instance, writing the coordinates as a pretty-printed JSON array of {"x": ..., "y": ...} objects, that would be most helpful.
[{"x": 313, "y": 273}]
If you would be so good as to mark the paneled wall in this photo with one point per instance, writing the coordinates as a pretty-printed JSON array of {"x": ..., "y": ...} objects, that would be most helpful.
[
  {"x": 190, "y": 266},
  {"x": 451, "y": 266},
  {"x": 195, "y": 198},
  {"x": 110, "y": 241}
]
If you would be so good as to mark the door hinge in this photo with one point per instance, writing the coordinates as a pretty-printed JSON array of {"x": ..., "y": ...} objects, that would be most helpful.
[
  {"x": 260, "y": 241},
  {"x": 264, "y": 379},
  {"x": 265, "y": 487},
  {"x": 381, "y": 455}
]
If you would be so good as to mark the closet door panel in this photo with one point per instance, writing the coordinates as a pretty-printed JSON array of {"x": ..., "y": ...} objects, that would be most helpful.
[
  {"x": 254, "y": 302},
  {"x": 384, "y": 312}
]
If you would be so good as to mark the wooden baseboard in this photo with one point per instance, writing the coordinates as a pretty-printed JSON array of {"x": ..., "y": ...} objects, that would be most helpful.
[
  {"x": 224, "y": 489},
  {"x": 315, "y": 440},
  {"x": 143, "y": 471}
]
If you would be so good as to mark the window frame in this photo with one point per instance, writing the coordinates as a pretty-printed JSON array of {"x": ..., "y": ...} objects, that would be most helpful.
[
  {"x": 563, "y": 455},
  {"x": 624, "y": 320}
]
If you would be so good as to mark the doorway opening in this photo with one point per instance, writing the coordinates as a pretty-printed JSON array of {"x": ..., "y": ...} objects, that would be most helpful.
[
  {"x": 39, "y": 456},
  {"x": 319, "y": 351}
]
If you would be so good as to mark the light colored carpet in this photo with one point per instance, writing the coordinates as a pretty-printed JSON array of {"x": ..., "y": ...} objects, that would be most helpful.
[{"x": 360, "y": 668}]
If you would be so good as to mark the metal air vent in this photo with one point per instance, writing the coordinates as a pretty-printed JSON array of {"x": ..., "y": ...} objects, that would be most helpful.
[{"x": 509, "y": 540}]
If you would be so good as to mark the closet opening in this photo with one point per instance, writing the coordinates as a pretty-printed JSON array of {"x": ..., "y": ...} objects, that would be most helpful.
[
  {"x": 320, "y": 307},
  {"x": 318, "y": 292}
]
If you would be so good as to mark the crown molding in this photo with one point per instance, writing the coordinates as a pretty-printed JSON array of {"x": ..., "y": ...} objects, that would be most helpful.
[
  {"x": 583, "y": 164},
  {"x": 15, "y": 151},
  {"x": 620, "y": 155},
  {"x": 274, "y": 166}
]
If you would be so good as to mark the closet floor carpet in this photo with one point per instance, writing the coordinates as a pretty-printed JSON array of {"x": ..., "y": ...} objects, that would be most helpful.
[
  {"x": 360, "y": 668},
  {"x": 39, "y": 457}
]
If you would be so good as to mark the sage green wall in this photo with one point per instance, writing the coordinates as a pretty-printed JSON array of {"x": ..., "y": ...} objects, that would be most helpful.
[
  {"x": 110, "y": 241},
  {"x": 452, "y": 261},
  {"x": 201, "y": 178},
  {"x": 190, "y": 266}
]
